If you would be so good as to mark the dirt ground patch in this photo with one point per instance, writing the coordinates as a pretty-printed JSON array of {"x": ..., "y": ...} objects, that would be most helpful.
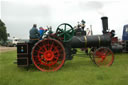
[{"x": 5, "y": 49}]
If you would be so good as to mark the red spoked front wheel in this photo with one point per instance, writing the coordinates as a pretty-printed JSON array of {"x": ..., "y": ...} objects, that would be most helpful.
[
  {"x": 103, "y": 57},
  {"x": 48, "y": 55}
]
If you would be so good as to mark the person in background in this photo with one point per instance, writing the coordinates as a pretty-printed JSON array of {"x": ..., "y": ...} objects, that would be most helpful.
[
  {"x": 88, "y": 31},
  {"x": 83, "y": 32},
  {"x": 42, "y": 31},
  {"x": 83, "y": 24},
  {"x": 78, "y": 27},
  {"x": 34, "y": 34},
  {"x": 50, "y": 30}
]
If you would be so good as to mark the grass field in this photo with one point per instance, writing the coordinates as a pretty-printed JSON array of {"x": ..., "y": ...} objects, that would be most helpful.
[{"x": 79, "y": 71}]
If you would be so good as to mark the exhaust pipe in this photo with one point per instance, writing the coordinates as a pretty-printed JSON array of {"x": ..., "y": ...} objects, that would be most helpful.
[{"x": 104, "y": 24}]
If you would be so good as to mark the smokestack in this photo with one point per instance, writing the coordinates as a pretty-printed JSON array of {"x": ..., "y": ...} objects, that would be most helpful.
[{"x": 104, "y": 24}]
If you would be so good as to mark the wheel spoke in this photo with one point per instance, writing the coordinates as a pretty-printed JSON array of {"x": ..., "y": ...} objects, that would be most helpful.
[
  {"x": 35, "y": 50},
  {"x": 105, "y": 51},
  {"x": 52, "y": 46},
  {"x": 61, "y": 30},
  {"x": 68, "y": 31},
  {"x": 64, "y": 37},
  {"x": 56, "y": 58},
  {"x": 61, "y": 34},
  {"x": 67, "y": 34},
  {"x": 65, "y": 28},
  {"x": 45, "y": 48},
  {"x": 109, "y": 53},
  {"x": 40, "y": 52}
]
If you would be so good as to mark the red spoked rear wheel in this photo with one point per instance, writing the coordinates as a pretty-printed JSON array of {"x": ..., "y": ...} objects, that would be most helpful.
[
  {"x": 103, "y": 57},
  {"x": 48, "y": 55}
]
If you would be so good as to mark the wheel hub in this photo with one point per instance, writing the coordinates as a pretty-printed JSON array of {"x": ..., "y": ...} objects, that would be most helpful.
[{"x": 48, "y": 55}]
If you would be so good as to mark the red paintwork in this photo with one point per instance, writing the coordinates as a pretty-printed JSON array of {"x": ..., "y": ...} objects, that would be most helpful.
[
  {"x": 103, "y": 56},
  {"x": 115, "y": 40},
  {"x": 48, "y": 55}
]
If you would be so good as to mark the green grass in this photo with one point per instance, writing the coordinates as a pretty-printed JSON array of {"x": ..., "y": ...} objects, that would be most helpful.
[{"x": 80, "y": 71}]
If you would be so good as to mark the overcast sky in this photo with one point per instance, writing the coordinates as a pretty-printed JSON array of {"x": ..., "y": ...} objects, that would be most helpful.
[{"x": 20, "y": 15}]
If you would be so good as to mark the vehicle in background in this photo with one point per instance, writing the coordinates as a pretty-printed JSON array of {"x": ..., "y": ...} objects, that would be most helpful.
[
  {"x": 125, "y": 37},
  {"x": 125, "y": 33},
  {"x": 119, "y": 46},
  {"x": 15, "y": 41}
]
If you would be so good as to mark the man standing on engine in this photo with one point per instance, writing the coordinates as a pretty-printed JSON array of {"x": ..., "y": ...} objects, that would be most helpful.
[
  {"x": 83, "y": 24},
  {"x": 83, "y": 32}
]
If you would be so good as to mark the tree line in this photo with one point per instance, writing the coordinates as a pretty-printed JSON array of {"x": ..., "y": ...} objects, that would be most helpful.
[{"x": 3, "y": 32}]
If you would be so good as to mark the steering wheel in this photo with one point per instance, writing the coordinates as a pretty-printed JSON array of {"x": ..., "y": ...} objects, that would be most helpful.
[{"x": 65, "y": 31}]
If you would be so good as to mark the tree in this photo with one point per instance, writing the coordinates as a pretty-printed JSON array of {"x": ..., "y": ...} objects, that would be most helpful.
[{"x": 3, "y": 32}]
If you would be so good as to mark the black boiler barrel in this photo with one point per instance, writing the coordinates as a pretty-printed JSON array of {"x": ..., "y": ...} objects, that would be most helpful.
[{"x": 90, "y": 41}]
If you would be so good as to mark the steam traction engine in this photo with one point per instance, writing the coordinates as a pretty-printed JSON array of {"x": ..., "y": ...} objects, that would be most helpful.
[{"x": 50, "y": 53}]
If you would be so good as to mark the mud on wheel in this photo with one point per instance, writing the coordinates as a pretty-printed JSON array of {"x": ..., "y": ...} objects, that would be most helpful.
[
  {"x": 48, "y": 55},
  {"x": 103, "y": 57}
]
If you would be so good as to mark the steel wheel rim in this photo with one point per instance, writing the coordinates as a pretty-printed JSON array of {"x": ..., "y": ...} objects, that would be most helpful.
[{"x": 48, "y": 55}]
